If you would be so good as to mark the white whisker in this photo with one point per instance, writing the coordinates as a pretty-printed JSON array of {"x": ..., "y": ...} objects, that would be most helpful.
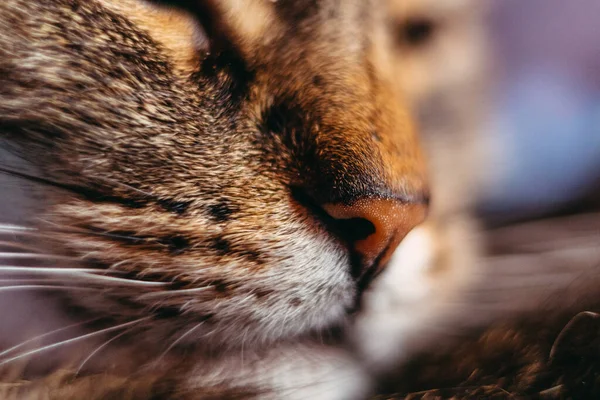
[
  {"x": 44, "y": 287},
  {"x": 13, "y": 228},
  {"x": 147, "y": 194},
  {"x": 50, "y": 270},
  {"x": 72, "y": 340},
  {"x": 183, "y": 336},
  {"x": 99, "y": 348},
  {"x": 34, "y": 255},
  {"x": 88, "y": 274},
  {"x": 33, "y": 339},
  {"x": 22, "y": 281},
  {"x": 243, "y": 343},
  {"x": 175, "y": 292},
  {"x": 130, "y": 282},
  {"x": 22, "y": 232}
]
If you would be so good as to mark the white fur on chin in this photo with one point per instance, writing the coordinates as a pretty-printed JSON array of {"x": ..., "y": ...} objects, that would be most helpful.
[{"x": 399, "y": 302}]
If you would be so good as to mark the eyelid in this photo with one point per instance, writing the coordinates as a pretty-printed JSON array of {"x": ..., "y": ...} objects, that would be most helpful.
[{"x": 200, "y": 39}]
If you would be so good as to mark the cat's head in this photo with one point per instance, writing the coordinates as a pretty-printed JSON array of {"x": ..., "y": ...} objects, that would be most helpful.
[{"x": 242, "y": 167}]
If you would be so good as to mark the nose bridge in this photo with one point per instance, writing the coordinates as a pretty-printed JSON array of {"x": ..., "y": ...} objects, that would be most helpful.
[
  {"x": 369, "y": 148},
  {"x": 397, "y": 134},
  {"x": 402, "y": 157},
  {"x": 347, "y": 125},
  {"x": 373, "y": 172}
]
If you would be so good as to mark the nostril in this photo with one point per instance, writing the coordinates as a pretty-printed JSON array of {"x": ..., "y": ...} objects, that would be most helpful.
[
  {"x": 349, "y": 230},
  {"x": 354, "y": 229}
]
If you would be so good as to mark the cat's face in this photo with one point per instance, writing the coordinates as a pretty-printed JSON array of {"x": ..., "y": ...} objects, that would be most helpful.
[{"x": 196, "y": 158}]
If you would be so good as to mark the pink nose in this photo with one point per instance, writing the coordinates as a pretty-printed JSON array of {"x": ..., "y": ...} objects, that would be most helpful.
[{"x": 391, "y": 220}]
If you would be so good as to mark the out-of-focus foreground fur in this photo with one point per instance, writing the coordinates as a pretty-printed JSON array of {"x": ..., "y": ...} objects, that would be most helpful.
[{"x": 529, "y": 327}]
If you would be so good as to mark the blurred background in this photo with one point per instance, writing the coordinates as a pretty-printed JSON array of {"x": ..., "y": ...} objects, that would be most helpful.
[{"x": 544, "y": 131}]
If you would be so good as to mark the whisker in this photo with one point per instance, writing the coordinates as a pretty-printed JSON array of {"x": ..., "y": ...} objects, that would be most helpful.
[
  {"x": 45, "y": 287},
  {"x": 565, "y": 329},
  {"x": 99, "y": 348},
  {"x": 174, "y": 292},
  {"x": 72, "y": 340},
  {"x": 30, "y": 281},
  {"x": 140, "y": 191},
  {"x": 111, "y": 235},
  {"x": 86, "y": 274},
  {"x": 93, "y": 231},
  {"x": 179, "y": 339},
  {"x": 33, "y": 339},
  {"x": 51, "y": 270},
  {"x": 85, "y": 192},
  {"x": 124, "y": 281},
  {"x": 13, "y": 228},
  {"x": 34, "y": 255},
  {"x": 28, "y": 232}
]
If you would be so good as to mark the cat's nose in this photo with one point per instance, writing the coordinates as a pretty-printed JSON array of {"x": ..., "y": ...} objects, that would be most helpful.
[{"x": 374, "y": 227}]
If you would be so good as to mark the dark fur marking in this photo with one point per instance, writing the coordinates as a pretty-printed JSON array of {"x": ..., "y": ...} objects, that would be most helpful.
[
  {"x": 224, "y": 247},
  {"x": 252, "y": 255},
  {"x": 287, "y": 119},
  {"x": 295, "y": 302},
  {"x": 167, "y": 313},
  {"x": 222, "y": 211},
  {"x": 221, "y": 246},
  {"x": 176, "y": 244},
  {"x": 174, "y": 206},
  {"x": 261, "y": 293},
  {"x": 317, "y": 80},
  {"x": 220, "y": 286}
]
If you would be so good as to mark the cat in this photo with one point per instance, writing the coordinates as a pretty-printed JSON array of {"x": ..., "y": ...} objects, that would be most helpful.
[
  {"x": 196, "y": 195},
  {"x": 206, "y": 190}
]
